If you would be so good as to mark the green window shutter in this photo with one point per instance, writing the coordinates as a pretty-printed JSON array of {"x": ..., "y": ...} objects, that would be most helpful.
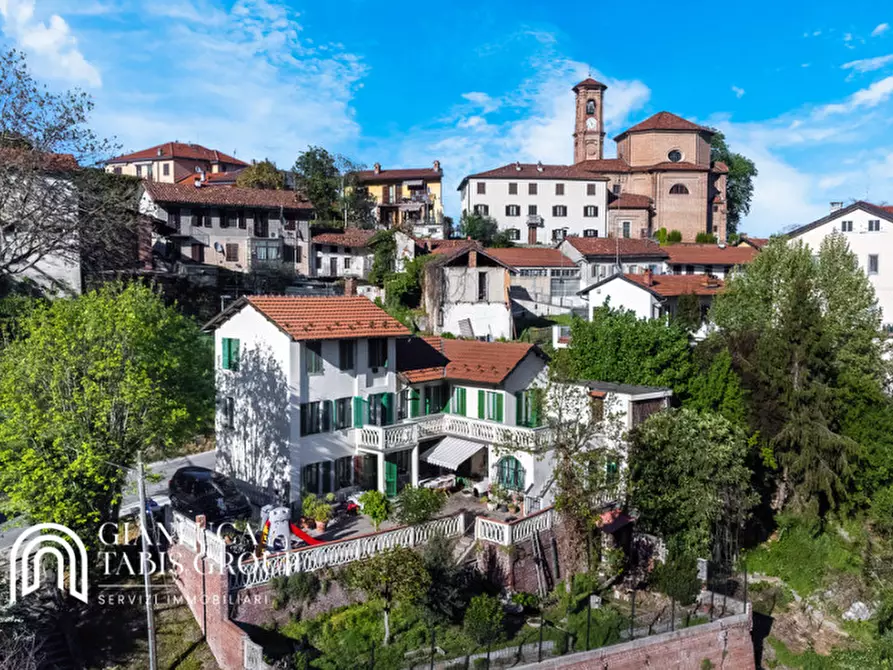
[
  {"x": 234, "y": 354},
  {"x": 499, "y": 407},
  {"x": 335, "y": 404},
  {"x": 462, "y": 398},
  {"x": 224, "y": 345},
  {"x": 519, "y": 409},
  {"x": 413, "y": 403},
  {"x": 387, "y": 403},
  {"x": 358, "y": 412},
  {"x": 481, "y": 401}
]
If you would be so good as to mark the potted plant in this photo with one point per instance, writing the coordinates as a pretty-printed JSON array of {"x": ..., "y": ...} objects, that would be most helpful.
[
  {"x": 322, "y": 513},
  {"x": 491, "y": 504},
  {"x": 330, "y": 498},
  {"x": 308, "y": 508}
]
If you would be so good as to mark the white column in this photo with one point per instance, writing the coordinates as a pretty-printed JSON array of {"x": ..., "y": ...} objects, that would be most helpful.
[
  {"x": 415, "y": 466},
  {"x": 381, "y": 482}
]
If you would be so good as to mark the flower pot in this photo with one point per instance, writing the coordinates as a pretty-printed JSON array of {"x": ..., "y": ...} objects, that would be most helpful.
[{"x": 491, "y": 507}]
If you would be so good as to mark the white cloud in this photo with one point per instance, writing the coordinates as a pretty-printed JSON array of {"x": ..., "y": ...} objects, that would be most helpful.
[
  {"x": 53, "y": 51},
  {"x": 739, "y": 92},
  {"x": 868, "y": 64},
  {"x": 482, "y": 100},
  {"x": 872, "y": 96},
  {"x": 880, "y": 29}
]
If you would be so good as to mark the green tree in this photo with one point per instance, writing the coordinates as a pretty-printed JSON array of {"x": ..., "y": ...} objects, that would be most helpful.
[
  {"x": 356, "y": 204},
  {"x": 395, "y": 575},
  {"x": 375, "y": 505},
  {"x": 739, "y": 182},
  {"x": 705, "y": 238},
  {"x": 484, "y": 620},
  {"x": 419, "y": 504},
  {"x": 484, "y": 229},
  {"x": 688, "y": 312},
  {"x": 384, "y": 253},
  {"x": 317, "y": 176},
  {"x": 263, "y": 174},
  {"x": 688, "y": 476},
  {"x": 92, "y": 381},
  {"x": 445, "y": 596},
  {"x": 715, "y": 386},
  {"x": 678, "y": 577}
]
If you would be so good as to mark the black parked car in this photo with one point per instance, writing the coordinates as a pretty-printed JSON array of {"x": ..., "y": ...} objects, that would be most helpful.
[{"x": 195, "y": 490}]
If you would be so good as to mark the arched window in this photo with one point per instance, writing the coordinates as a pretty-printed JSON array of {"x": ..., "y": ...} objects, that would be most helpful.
[
  {"x": 678, "y": 189},
  {"x": 590, "y": 106},
  {"x": 510, "y": 474}
]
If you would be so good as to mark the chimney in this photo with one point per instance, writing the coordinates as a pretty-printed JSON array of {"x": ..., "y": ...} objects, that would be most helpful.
[
  {"x": 160, "y": 151},
  {"x": 350, "y": 287},
  {"x": 437, "y": 166},
  {"x": 835, "y": 206},
  {"x": 517, "y": 166},
  {"x": 539, "y": 166},
  {"x": 649, "y": 277},
  {"x": 472, "y": 259},
  {"x": 377, "y": 168}
]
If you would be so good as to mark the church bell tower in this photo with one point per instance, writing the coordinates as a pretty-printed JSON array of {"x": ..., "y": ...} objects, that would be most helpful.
[{"x": 589, "y": 128}]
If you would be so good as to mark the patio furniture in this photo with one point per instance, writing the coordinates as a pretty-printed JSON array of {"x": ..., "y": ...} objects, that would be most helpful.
[{"x": 442, "y": 483}]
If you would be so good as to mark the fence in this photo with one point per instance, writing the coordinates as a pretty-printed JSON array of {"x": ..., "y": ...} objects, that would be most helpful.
[
  {"x": 256, "y": 571},
  {"x": 507, "y": 533}
]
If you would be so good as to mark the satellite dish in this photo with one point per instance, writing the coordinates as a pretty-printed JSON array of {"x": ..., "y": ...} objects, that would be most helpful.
[{"x": 218, "y": 247}]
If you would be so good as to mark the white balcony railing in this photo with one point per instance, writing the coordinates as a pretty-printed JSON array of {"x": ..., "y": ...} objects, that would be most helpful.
[
  {"x": 409, "y": 432},
  {"x": 512, "y": 532}
]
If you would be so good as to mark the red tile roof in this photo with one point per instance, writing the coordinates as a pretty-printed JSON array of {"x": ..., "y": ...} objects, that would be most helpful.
[
  {"x": 719, "y": 166},
  {"x": 664, "y": 121},
  {"x": 608, "y": 246},
  {"x": 355, "y": 237},
  {"x": 212, "y": 178},
  {"x": 589, "y": 82},
  {"x": 532, "y": 257},
  {"x": 603, "y": 165},
  {"x": 538, "y": 171},
  {"x": 370, "y": 176},
  {"x": 709, "y": 254},
  {"x": 38, "y": 160},
  {"x": 668, "y": 286},
  {"x": 181, "y": 150},
  {"x": 330, "y": 318},
  {"x": 630, "y": 201},
  {"x": 223, "y": 196},
  {"x": 473, "y": 361}
]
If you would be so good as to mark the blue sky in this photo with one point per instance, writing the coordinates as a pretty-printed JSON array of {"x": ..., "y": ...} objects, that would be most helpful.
[{"x": 805, "y": 88}]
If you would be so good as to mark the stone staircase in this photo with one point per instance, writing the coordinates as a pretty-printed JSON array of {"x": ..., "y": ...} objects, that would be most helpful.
[{"x": 463, "y": 550}]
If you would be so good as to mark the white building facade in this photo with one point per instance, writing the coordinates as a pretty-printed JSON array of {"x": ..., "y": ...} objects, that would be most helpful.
[{"x": 539, "y": 204}]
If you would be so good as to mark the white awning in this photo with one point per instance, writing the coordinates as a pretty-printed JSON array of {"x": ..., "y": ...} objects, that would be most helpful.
[{"x": 451, "y": 452}]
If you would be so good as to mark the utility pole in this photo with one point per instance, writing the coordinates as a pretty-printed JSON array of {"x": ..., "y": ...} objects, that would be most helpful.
[{"x": 144, "y": 563}]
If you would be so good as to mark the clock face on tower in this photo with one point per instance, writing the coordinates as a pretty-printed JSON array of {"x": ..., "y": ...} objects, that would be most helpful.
[{"x": 591, "y": 123}]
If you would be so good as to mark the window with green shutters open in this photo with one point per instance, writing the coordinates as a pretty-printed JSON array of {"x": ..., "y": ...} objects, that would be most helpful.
[
  {"x": 528, "y": 408},
  {"x": 510, "y": 473},
  {"x": 229, "y": 353},
  {"x": 458, "y": 405},
  {"x": 490, "y": 405},
  {"x": 436, "y": 399}
]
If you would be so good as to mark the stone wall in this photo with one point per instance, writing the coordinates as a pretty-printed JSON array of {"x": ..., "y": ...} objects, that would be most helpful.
[
  {"x": 515, "y": 567},
  {"x": 725, "y": 644}
]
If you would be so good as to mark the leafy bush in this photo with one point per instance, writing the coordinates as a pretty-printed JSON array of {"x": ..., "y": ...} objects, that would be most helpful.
[
  {"x": 308, "y": 505},
  {"x": 298, "y": 589},
  {"x": 661, "y": 236},
  {"x": 375, "y": 505},
  {"x": 881, "y": 511},
  {"x": 484, "y": 620},
  {"x": 604, "y": 626},
  {"x": 705, "y": 238},
  {"x": 419, "y": 504},
  {"x": 678, "y": 578},
  {"x": 674, "y": 237},
  {"x": 529, "y": 601}
]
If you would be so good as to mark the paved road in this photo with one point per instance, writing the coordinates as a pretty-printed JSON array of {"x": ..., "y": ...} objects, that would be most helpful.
[{"x": 10, "y": 530}]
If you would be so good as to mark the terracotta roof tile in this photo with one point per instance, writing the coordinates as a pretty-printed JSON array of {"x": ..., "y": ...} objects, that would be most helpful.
[
  {"x": 760, "y": 242},
  {"x": 668, "y": 286},
  {"x": 370, "y": 176},
  {"x": 532, "y": 257},
  {"x": 664, "y": 121},
  {"x": 603, "y": 165},
  {"x": 589, "y": 82},
  {"x": 222, "y": 196},
  {"x": 212, "y": 178},
  {"x": 719, "y": 166},
  {"x": 539, "y": 171},
  {"x": 355, "y": 237},
  {"x": 608, "y": 246},
  {"x": 330, "y": 318},
  {"x": 630, "y": 201},
  {"x": 179, "y": 150},
  {"x": 471, "y": 361},
  {"x": 709, "y": 254}
]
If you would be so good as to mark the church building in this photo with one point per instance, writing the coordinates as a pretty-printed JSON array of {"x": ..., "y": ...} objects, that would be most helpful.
[{"x": 662, "y": 177}]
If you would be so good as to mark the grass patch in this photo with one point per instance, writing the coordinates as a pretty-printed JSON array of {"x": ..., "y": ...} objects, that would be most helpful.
[
  {"x": 808, "y": 660},
  {"x": 805, "y": 557}
]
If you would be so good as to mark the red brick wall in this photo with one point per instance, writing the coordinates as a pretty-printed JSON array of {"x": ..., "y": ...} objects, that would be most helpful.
[{"x": 725, "y": 643}]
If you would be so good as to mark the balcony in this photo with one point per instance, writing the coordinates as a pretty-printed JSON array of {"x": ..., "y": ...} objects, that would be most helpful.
[{"x": 408, "y": 433}]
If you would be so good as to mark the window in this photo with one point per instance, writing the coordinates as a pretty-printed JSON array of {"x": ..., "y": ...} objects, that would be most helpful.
[
  {"x": 678, "y": 189},
  {"x": 675, "y": 156},
  {"x": 490, "y": 405},
  {"x": 689, "y": 269},
  {"x": 436, "y": 399},
  {"x": 139, "y": 170},
  {"x": 378, "y": 352},
  {"x": 510, "y": 474},
  {"x": 198, "y": 252},
  {"x": 615, "y": 189},
  {"x": 531, "y": 210},
  {"x": 229, "y": 412},
  {"x": 344, "y": 472},
  {"x": 590, "y": 189},
  {"x": 527, "y": 408},
  {"x": 483, "y": 210},
  {"x": 166, "y": 169},
  {"x": 514, "y": 234},
  {"x": 117, "y": 170},
  {"x": 313, "y": 363},
  {"x": 590, "y": 232},
  {"x": 626, "y": 225},
  {"x": 346, "y": 354},
  {"x": 559, "y": 234},
  {"x": 240, "y": 220},
  {"x": 531, "y": 188},
  {"x": 513, "y": 210},
  {"x": 846, "y": 226},
  {"x": 347, "y": 260},
  {"x": 874, "y": 225},
  {"x": 205, "y": 218},
  {"x": 482, "y": 188},
  {"x": 559, "y": 210},
  {"x": 559, "y": 189},
  {"x": 872, "y": 264},
  {"x": 266, "y": 250},
  {"x": 459, "y": 401},
  {"x": 310, "y": 477},
  {"x": 590, "y": 210},
  {"x": 565, "y": 282},
  {"x": 513, "y": 188},
  {"x": 173, "y": 217},
  {"x": 232, "y": 252},
  {"x": 310, "y": 418},
  {"x": 261, "y": 224},
  {"x": 708, "y": 269},
  {"x": 534, "y": 272},
  {"x": 482, "y": 286},
  {"x": 343, "y": 413}
]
